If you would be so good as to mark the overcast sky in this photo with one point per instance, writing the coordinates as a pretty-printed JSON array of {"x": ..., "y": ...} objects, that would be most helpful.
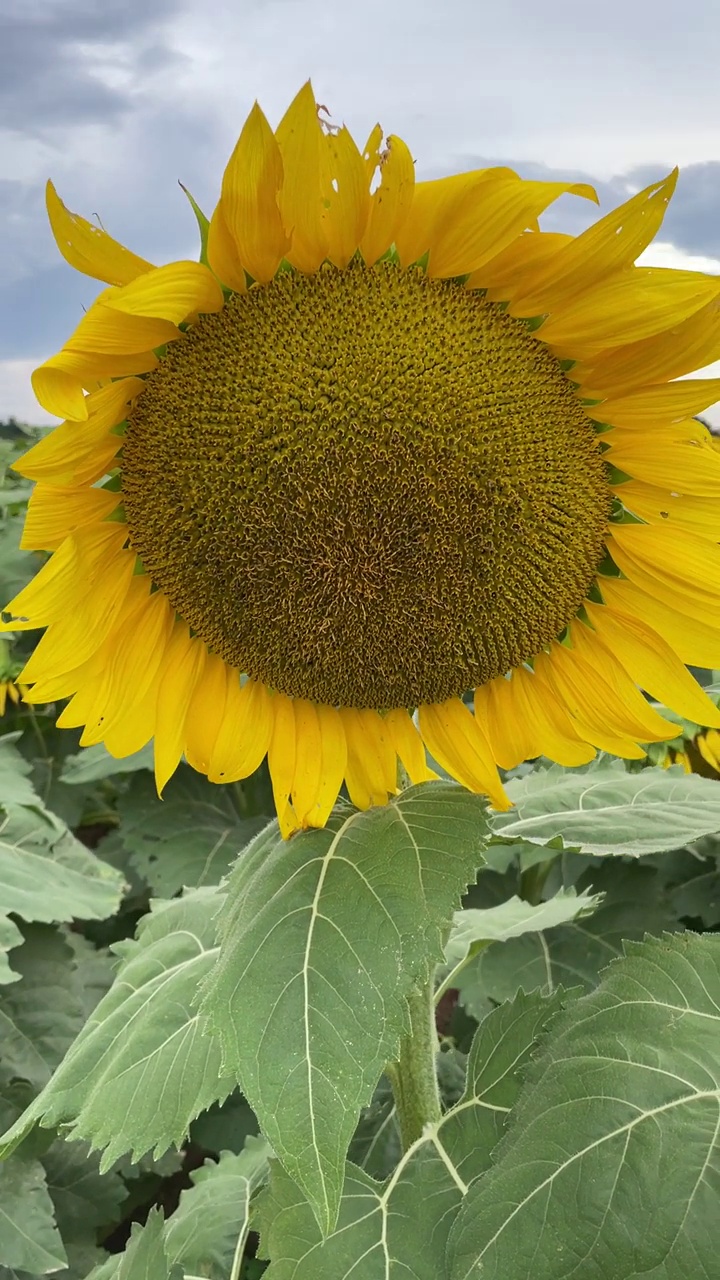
[{"x": 117, "y": 100}]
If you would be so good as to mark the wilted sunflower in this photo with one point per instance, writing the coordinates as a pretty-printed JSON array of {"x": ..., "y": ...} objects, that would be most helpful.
[{"x": 388, "y": 443}]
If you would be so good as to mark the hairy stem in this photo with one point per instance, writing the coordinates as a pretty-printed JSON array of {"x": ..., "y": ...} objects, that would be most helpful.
[{"x": 414, "y": 1077}]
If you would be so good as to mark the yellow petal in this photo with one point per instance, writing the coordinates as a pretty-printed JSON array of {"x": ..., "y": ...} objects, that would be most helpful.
[
  {"x": 80, "y": 453},
  {"x": 390, "y": 203},
  {"x": 682, "y": 466},
  {"x": 656, "y": 505},
  {"x": 594, "y": 709},
  {"x": 454, "y": 737},
  {"x": 433, "y": 205},
  {"x": 652, "y": 664},
  {"x": 222, "y": 253},
  {"x": 54, "y": 512},
  {"x": 64, "y": 582},
  {"x": 654, "y": 406},
  {"x": 504, "y": 275},
  {"x": 245, "y": 731},
  {"x": 281, "y": 761},
  {"x": 555, "y": 734},
  {"x": 320, "y": 762},
  {"x": 182, "y": 667},
  {"x": 206, "y": 713},
  {"x": 708, "y": 744},
  {"x": 346, "y": 197},
  {"x": 687, "y": 345},
  {"x": 249, "y": 198},
  {"x": 371, "y": 152},
  {"x": 88, "y": 248},
  {"x": 610, "y": 245},
  {"x": 170, "y": 293},
  {"x": 695, "y": 641},
  {"x": 488, "y": 219},
  {"x": 638, "y": 715},
  {"x": 510, "y": 734},
  {"x": 408, "y": 745},
  {"x": 370, "y": 772},
  {"x": 680, "y": 566},
  {"x": 632, "y": 305},
  {"x": 301, "y": 143},
  {"x": 132, "y": 672},
  {"x": 58, "y": 383}
]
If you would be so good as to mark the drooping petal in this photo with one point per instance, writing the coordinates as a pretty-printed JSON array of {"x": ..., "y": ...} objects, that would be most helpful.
[
  {"x": 652, "y": 663},
  {"x": 454, "y": 737},
  {"x": 59, "y": 383},
  {"x": 408, "y": 745},
  {"x": 370, "y": 769},
  {"x": 244, "y": 735},
  {"x": 182, "y": 667},
  {"x": 301, "y": 142},
  {"x": 222, "y": 253},
  {"x": 206, "y": 713},
  {"x": 63, "y": 582},
  {"x": 249, "y": 198},
  {"x": 320, "y": 762},
  {"x": 172, "y": 293},
  {"x": 390, "y": 203},
  {"x": 281, "y": 761},
  {"x": 90, "y": 249},
  {"x": 549, "y": 723}
]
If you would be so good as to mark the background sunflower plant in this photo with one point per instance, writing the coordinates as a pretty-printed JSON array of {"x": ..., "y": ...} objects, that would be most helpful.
[{"x": 359, "y": 881}]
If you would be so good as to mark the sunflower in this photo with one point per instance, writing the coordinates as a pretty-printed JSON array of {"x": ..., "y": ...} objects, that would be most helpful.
[{"x": 388, "y": 471}]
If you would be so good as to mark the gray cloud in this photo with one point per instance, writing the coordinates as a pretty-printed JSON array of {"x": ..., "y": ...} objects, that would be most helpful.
[{"x": 58, "y": 61}]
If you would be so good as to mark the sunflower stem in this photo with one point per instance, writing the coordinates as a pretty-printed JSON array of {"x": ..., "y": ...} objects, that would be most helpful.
[{"x": 414, "y": 1076}]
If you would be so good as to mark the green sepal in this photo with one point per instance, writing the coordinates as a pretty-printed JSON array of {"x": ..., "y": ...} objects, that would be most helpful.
[{"x": 203, "y": 225}]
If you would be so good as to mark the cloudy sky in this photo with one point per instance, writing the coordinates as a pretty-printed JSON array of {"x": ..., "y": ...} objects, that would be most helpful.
[{"x": 117, "y": 100}]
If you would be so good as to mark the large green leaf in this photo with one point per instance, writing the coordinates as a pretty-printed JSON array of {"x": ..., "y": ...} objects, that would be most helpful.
[
  {"x": 608, "y": 810},
  {"x": 143, "y": 1065},
  {"x": 612, "y": 1165},
  {"x": 46, "y": 874},
  {"x": 207, "y": 1233},
  {"x": 399, "y": 1229},
  {"x": 570, "y": 954},
  {"x": 323, "y": 937},
  {"x": 94, "y": 763},
  {"x": 29, "y": 1239},
  {"x": 40, "y": 1015},
  {"x": 187, "y": 841}
]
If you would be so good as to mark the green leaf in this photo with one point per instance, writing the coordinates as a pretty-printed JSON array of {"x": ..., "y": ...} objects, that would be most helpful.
[
  {"x": 208, "y": 1231},
  {"x": 610, "y": 811},
  {"x": 40, "y": 1015},
  {"x": 514, "y": 917},
  {"x": 399, "y": 1229},
  {"x": 574, "y": 953},
  {"x": 48, "y": 875},
  {"x": 143, "y": 1065},
  {"x": 145, "y": 1257},
  {"x": 94, "y": 763},
  {"x": 15, "y": 785},
  {"x": 376, "y": 1146},
  {"x": 611, "y": 1166},
  {"x": 189, "y": 839},
  {"x": 29, "y": 1239},
  {"x": 304, "y": 980},
  {"x": 225, "y": 1126},
  {"x": 10, "y": 937}
]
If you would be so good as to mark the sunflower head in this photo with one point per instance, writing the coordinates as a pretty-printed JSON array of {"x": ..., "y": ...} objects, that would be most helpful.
[{"x": 375, "y": 478}]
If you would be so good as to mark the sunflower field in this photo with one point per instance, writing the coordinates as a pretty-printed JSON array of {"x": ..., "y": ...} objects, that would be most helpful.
[{"x": 360, "y": 742}]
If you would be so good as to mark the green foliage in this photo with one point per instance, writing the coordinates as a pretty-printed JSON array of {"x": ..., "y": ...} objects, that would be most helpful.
[
  {"x": 606, "y": 810},
  {"x": 300, "y": 977},
  {"x": 613, "y": 1156},
  {"x": 175, "y": 978}
]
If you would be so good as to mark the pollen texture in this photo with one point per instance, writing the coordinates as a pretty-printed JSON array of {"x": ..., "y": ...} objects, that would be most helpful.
[{"x": 366, "y": 487}]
